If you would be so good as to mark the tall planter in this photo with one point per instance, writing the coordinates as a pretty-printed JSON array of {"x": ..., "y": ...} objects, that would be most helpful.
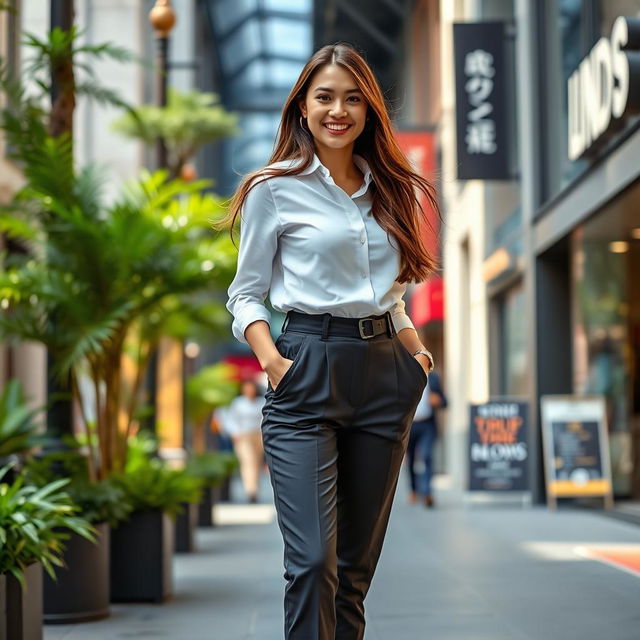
[
  {"x": 81, "y": 591},
  {"x": 142, "y": 558},
  {"x": 3, "y": 606},
  {"x": 24, "y": 607},
  {"x": 186, "y": 523},
  {"x": 205, "y": 507}
]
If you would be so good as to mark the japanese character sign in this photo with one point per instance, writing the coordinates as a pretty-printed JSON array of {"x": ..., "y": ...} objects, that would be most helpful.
[{"x": 480, "y": 110}]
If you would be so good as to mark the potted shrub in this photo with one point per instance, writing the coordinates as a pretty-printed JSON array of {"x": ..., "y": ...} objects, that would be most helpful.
[
  {"x": 211, "y": 387},
  {"x": 142, "y": 546},
  {"x": 80, "y": 591},
  {"x": 213, "y": 468},
  {"x": 35, "y": 523},
  {"x": 210, "y": 469}
]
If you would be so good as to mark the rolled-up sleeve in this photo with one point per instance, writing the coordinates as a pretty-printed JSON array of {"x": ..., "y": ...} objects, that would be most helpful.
[
  {"x": 399, "y": 316},
  {"x": 259, "y": 230}
]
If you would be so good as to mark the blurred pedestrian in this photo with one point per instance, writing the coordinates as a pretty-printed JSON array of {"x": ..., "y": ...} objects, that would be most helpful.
[
  {"x": 424, "y": 433},
  {"x": 331, "y": 229},
  {"x": 241, "y": 422}
]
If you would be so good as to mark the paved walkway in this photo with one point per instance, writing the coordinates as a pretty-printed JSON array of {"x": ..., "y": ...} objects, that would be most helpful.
[{"x": 449, "y": 574}]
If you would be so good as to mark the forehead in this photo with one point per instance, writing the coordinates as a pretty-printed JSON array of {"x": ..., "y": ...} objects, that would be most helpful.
[{"x": 333, "y": 76}]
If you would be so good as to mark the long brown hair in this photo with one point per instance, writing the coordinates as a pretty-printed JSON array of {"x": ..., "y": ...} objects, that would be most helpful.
[{"x": 395, "y": 203}]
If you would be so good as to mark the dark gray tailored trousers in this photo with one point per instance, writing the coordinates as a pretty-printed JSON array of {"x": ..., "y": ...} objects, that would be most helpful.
[{"x": 335, "y": 432}]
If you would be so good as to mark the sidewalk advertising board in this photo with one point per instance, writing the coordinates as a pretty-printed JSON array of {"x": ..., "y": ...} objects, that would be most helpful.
[
  {"x": 576, "y": 447},
  {"x": 498, "y": 448}
]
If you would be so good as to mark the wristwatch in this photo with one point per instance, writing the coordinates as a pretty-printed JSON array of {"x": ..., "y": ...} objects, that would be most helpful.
[{"x": 429, "y": 355}]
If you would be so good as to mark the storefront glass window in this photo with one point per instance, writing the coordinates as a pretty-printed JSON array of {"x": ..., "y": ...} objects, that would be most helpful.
[
  {"x": 606, "y": 333},
  {"x": 513, "y": 343}
]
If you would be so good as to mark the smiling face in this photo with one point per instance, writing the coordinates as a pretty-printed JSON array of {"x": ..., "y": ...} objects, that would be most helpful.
[{"x": 334, "y": 108}]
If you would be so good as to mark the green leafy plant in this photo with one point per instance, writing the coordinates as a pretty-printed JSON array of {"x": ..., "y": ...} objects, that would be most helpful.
[
  {"x": 149, "y": 483},
  {"x": 97, "y": 501},
  {"x": 34, "y": 523},
  {"x": 213, "y": 386},
  {"x": 212, "y": 467},
  {"x": 18, "y": 426},
  {"x": 152, "y": 485},
  {"x": 189, "y": 121}
]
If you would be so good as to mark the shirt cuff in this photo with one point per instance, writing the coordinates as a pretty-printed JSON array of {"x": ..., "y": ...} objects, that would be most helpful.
[
  {"x": 401, "y": 321},
  {"x": 249, "y": 313}
]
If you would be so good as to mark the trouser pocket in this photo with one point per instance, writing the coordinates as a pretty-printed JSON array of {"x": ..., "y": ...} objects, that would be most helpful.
[{"x": 290, "y": 345}]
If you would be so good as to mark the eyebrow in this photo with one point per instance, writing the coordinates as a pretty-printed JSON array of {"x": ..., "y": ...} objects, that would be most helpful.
[{"x": 332, "y": 91}]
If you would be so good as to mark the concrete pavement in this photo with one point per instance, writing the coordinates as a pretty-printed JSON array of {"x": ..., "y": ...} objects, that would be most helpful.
[{"x": 479, "y": 573}]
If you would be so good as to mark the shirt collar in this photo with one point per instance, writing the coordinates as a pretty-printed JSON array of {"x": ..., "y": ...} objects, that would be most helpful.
[
  {"x": 359, "y": 161},
  {"x": 316, "y": 165}
]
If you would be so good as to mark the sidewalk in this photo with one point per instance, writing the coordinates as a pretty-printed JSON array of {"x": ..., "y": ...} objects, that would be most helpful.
[{"x": 446, "y": 574}]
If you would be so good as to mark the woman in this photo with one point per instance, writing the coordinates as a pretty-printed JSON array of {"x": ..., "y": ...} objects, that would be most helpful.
[
  {"x": 331, "y": 230},
  {"x": 241, "y": 422}
]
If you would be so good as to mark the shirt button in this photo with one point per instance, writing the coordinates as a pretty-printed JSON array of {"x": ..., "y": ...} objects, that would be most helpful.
[
  {"x": 362, "y": 239},
  {"x": 364, "y": 275}
]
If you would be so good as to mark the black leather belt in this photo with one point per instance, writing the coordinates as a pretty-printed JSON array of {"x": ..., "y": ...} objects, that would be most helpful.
[{"x": 328, "y": 325}]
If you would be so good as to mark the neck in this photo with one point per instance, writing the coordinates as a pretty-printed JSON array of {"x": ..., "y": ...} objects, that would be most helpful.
[{"x": 338, "y": 161}]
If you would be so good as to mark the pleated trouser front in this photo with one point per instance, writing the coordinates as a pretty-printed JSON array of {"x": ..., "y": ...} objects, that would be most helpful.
[{"x": 335, "y": 432}]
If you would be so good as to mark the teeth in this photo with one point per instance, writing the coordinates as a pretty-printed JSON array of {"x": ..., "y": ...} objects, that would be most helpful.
[{"x": 337, "y": 127}]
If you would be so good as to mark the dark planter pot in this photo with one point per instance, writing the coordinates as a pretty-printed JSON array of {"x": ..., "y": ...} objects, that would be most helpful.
[
  {"x": 3, "y": 607},
  {"x": 205, "y": 508},
  {"x": 142, "y": 558},
  {"x": 186, "y": 524},
  {"x": 224, "y": 490},
  {"x": 81, "y": 592},
  {"x": 24, "y": 608}
]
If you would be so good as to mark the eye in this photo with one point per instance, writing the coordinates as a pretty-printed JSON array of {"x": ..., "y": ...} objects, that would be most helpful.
[
  {"x": 355, "y": 99},
  {"x": 322, "y": 97}
]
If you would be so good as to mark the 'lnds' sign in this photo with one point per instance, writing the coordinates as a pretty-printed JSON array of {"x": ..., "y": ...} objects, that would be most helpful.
[{"x": 605, "y": 86}]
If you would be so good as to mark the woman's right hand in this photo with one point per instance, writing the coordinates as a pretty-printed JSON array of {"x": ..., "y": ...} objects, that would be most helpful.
[
  {"x": 276, "y": 370},
  {"x": 259, "y": 338}
]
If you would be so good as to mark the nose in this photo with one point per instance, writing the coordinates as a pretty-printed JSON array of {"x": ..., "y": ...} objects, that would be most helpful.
[{"x": 338, "y": 110}]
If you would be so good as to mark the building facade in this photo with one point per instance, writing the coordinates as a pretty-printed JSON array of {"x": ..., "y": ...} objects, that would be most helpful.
[{"x": 541, "y": 286}]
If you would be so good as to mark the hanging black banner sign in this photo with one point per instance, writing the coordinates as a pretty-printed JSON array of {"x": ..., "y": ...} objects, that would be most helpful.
[{"x": 481, "y": 109}]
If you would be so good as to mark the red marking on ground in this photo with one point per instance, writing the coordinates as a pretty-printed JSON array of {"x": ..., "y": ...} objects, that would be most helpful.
[{"x": 627, "y": 559}]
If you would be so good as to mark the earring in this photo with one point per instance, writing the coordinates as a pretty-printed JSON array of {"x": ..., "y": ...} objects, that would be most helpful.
[{"x": 301, "y": 123}]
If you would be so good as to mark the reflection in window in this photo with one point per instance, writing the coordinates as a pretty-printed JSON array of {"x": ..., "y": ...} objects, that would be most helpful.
[
  {"x": 606, "y": 314},
  {"x": 241, "y": 46},
  {"x": 287, "y": 37},
  {"x": 229, "y": 13}
]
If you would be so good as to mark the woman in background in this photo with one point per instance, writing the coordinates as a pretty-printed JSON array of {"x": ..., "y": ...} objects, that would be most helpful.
[{"x": 241, "y": 422}]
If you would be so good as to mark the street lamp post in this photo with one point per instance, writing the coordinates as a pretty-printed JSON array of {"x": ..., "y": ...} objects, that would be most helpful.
[{"x": 162, "y": 18}]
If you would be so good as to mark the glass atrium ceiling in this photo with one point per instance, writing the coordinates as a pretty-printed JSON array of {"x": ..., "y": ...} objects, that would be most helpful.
[{"x": 261, "y": 47}]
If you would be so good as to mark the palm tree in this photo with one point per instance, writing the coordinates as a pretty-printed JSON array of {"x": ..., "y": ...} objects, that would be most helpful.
[{"x": 99, "y": 282}]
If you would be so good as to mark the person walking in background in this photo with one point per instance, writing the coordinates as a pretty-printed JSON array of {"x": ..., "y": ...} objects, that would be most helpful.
[
  {"x": 424, "y": 433},
  {"x": 332, "y": 231},
  {"x": 241, "y": 422}
]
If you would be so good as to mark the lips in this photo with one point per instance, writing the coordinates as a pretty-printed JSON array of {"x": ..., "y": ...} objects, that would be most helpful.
[{"x": 336, "y": 128}]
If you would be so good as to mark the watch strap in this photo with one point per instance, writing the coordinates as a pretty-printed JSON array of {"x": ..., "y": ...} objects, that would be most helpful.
[{"x": 429, "y": 355}]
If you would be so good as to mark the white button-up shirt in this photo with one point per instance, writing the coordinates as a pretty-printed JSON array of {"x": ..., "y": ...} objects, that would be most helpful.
[{"x": 315, "y": 249}]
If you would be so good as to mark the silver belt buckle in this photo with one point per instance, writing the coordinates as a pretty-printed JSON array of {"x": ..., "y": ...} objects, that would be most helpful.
[{"x": 361, "y": 328}]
